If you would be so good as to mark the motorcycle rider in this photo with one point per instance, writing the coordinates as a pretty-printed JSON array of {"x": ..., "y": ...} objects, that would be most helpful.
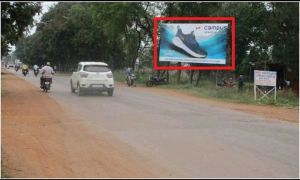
[
  {"x": 129, "y": 71},
  {"x": 36, "y": 69},
  {"x": 25, "y": 68},
  {"x": 17, "y": 67},
  {"x": 47, "y": 72},
  {"x": 129, "y": 74}
]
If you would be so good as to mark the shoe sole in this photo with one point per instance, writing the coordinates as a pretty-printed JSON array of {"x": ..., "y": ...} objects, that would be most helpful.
[{"x": 179, "y": 43}]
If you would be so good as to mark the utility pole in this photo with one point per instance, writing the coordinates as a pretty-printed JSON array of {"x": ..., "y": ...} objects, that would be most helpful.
[{"x": 250, "y": 79}]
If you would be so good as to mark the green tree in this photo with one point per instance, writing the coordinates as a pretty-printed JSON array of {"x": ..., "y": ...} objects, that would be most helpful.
[
  {"x": 119, "y": 33},
  {"x": 283, "y": 29},
  {"x": 16, "y": 17}
]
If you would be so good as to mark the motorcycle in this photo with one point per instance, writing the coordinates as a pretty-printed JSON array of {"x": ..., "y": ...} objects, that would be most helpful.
[
  {"x": 25, "y": 72},
  {"x": 156, "y": 81},
  {"x": 36, "y": 72},
  {"x": 227, "y": 84},
  {"x": 131, "y": 80},
  {"x": 46, "y": 84}
]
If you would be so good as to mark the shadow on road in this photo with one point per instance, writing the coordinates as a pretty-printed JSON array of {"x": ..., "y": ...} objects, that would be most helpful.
[{"x": 89, "y": 94}]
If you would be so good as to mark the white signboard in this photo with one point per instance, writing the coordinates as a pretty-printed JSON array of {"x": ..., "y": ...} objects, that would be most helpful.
[{"x": 265, "y": 78}]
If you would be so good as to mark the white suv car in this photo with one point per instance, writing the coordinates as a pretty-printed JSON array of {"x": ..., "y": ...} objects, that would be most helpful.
[{"x": 95, "y": 76}]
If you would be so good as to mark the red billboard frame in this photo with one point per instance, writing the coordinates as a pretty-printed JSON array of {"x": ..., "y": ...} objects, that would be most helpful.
[{"x": 155, "y": 57}]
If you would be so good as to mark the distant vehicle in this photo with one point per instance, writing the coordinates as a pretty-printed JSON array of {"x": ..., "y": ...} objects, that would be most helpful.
[
  {"x": 92, "y": 76},
  {"x": 131, "y": 80},
  {"x": 156, "y": 81},
  {"x": 17, "y": 67},
  {"x": 36, "y": 72},
  {"x": 10, "y": 66},
  {"x": 227, "y": 83},
  {"x": 46, "y": 84},
  {"x": 25, "y": 72}
]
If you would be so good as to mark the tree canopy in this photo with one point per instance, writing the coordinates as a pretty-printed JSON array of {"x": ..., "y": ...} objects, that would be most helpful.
[
  {"x": 16, "y": 17},
  {"x": 120, "y": 32}
]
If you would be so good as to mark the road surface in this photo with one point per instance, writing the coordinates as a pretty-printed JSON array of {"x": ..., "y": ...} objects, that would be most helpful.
[{"x": 181, "y": 137}]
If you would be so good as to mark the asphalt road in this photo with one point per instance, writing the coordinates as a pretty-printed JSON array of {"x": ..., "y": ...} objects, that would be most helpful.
[{"x": 188, "y": 138}]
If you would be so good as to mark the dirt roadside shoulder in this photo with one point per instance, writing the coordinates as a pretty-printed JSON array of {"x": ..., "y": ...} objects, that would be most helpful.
[
  {"x": 39, "y": 140},
  {"x": 267, "y": 111}
]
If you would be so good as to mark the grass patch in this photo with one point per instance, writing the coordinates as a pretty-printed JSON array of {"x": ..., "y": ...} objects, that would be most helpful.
[{"x": 208, "y": 89}]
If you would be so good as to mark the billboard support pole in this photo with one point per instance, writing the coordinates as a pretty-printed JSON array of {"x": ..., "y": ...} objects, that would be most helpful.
[
  {"x": 275, "y": 93},
  {"x": 254, "y": 88},
  {"x": 255, "y": 92},
  {"x": 217, "y": 78}
]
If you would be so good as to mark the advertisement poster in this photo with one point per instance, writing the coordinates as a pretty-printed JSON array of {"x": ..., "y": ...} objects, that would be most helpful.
[{"x": 193, "y": 43}]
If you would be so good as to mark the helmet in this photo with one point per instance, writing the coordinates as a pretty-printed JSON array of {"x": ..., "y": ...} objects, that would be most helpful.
[{"x": 48, "y": 63}]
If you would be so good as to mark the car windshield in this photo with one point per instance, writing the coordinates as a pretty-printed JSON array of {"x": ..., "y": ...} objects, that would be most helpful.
[{"x": 95, "y": 68}]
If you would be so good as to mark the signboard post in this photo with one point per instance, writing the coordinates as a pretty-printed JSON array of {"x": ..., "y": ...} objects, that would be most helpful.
[{"x": 264, "y": 78}]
